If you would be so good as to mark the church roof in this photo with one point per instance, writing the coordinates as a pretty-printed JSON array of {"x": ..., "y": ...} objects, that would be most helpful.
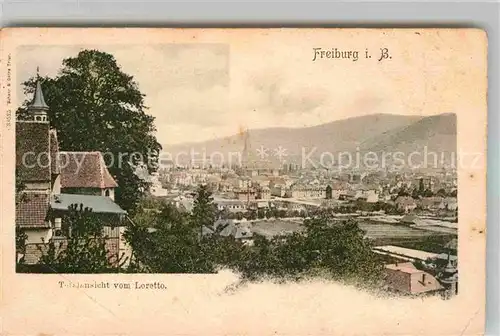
[
  {"x": 32, "y": 149},
  {"x": 98, "y": 204},
  {"x": 85, "y": 170},
  {"x": 32, "y": 211},
  {"x": 38, "y": 99}
]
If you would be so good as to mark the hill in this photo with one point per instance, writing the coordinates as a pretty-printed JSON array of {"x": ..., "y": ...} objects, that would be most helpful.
[{"x": 377, "y": 132}]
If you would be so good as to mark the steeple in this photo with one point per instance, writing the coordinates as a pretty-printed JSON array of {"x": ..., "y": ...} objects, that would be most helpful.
[
  {"x": 246, "y": 149},
  {"x": 38, "y": 107}
]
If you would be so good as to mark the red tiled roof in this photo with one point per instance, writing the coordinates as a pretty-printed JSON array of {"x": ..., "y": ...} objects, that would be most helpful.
[
  {"x": 32, "y": 151},
  {"x": 404, "y": 267},
  {"x": 84, "y": 170},
  {"x": 32, "y": 211}
]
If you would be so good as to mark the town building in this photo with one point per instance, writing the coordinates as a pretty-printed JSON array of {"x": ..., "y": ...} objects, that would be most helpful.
[
  {"x": 431, "y": 203},
  {"x": 86, "y": 173},
  {"x": 301, "y": 191},
  {"x": 264, "y": 193},
  {"x": 406, "y": 204},
  {"x": 49, "y": 185},
  {"x": 407, "y": 279},
  {"x": 228, "y": 228}
]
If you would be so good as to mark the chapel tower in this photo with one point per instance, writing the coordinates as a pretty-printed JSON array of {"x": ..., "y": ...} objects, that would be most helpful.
[{"x": 38, "y": 108}]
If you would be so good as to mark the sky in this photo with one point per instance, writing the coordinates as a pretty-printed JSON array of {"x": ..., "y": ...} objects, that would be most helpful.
[{"x": 198, "y": 91}]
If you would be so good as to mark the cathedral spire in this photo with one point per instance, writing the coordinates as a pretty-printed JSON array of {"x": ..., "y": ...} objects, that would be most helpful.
[{"x": 38, "y": 107}]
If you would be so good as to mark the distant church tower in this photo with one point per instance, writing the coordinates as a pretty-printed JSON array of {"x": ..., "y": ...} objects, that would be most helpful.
[
  {"x": 38, "y": 108},
  {"x": 245, "y": 155}
]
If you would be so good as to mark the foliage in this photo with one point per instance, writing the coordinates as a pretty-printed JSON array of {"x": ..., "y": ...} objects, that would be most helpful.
[
  {"x": 204, "y": 210},
  {"x": 325, "y": 247},
  {"x": 337, "y": 250},
  {"x": 21, "y": 238},
  {"x": 21, "y": 235},
  {"x": 83, "y": 250},
  {"x": 433, "y": 244},
  {"x": 95, "y": 106},
  {"x": 20, "y": 186},
  {"x": 170, "y": 244}
]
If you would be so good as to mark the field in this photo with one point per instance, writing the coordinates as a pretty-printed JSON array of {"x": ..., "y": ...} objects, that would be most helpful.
[{"x": 373, "y": 230}]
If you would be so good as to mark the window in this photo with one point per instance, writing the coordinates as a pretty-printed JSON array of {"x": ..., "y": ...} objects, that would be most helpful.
[{"x": 106, "y": 193}]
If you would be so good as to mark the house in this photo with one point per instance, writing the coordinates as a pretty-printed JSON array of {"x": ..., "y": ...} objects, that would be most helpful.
[
  {"x": 337, "y": 188},
  {"x": 432, "y": 203},
  {"x": 406, "y": 204},
  {"x": 37, "y": 171},
  {"x": 264, "y": 193},
  {"x": 228, "y": 228},
  {"x": 86, "y": 173},
  {"x": 409, "y": 219},
  {"x": 261, "y": 180},
  {"x": 369, "y": 195},
  {"x": 278, "y": 190},
  {"x": 350, "y": 195},
  {"x": 50, "y": 187},
  {"x": 246, "y": 195},
  {"x": 406, "y": 278},
  {"x": 450, "y": 203},
  {"x": 230, "y": 205},
  {"x": 301, "y": 191}
]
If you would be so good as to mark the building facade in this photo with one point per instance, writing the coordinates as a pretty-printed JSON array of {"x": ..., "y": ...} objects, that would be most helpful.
[{"x": 49, "y": 182}]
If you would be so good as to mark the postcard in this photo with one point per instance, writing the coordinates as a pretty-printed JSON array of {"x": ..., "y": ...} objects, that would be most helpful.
[{"x": 243, "y": 181}]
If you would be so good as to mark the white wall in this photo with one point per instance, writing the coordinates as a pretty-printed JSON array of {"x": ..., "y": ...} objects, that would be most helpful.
[
  {"x": 36, "y": 235},
  {"x": 56, "y": 187},
  {"x": 111, "y": 193}
]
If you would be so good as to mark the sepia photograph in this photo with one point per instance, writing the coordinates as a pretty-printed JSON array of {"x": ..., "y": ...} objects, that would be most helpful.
[{"x": 280, "y": 157}]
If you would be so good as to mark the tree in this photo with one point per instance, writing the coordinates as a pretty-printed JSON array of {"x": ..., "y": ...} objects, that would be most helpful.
[
  {"x": 21, "y": 235},
  {"x": 21, "y": 238},
  {"x": 20, "y": 186},
  {"x": 251, "y": 215},
  {"x": 326, "y": 248},
  {"x": 84, "y": 249},
  {"x": 403, "y": 192},
  {"x": 174, "y": 246},
  {"x": 95, "y": 106},
  {"x": 441, "y": 192},
  {"x": 181, "y": 242},
  {"x": 415, "y": 194},
  {"x": 428, "y": 193},
  {"x": 204, "y": 210}
]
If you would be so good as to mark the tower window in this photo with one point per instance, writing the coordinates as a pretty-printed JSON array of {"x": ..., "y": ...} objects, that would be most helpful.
[{"x": 106, "y": 193}]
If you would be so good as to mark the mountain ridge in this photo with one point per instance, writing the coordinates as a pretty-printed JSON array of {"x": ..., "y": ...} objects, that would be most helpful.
[{"x": 375, "y": 132}]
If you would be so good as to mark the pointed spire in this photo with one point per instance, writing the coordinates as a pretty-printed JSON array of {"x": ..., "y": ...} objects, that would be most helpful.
[
  {"x": 39, "y": 100},
  {"x": 38, "y": 107}
]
